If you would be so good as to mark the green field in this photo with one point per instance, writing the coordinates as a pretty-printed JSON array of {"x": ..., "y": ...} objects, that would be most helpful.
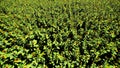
[{"x": 59, "y": 33}]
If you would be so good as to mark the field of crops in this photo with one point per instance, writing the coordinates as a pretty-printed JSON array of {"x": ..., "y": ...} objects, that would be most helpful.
[{"x": 59, "y": 33}]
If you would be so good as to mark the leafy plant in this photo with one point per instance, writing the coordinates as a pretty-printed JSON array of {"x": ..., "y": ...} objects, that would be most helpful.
[{"x": 59, "y": 34}]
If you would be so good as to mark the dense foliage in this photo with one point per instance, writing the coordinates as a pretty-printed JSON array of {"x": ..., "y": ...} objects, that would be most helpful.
[{"x": 59, "y": 33}]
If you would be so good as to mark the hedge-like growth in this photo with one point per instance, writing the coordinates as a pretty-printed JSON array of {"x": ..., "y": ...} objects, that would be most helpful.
[{"x": 59, "y": 33}]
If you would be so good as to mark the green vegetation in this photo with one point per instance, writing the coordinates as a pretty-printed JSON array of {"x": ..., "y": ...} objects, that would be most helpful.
[{"x": 59, "y": 33}]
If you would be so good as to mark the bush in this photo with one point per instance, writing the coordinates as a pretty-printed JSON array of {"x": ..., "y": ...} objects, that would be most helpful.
[{"x": 59, "y": 34}]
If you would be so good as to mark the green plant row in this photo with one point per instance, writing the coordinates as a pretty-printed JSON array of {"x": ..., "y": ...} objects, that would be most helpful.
[{"x": 59, "y": 34}]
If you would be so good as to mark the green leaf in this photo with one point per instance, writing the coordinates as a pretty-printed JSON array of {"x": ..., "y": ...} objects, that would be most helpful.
[{"x": 29, "y": 56}]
